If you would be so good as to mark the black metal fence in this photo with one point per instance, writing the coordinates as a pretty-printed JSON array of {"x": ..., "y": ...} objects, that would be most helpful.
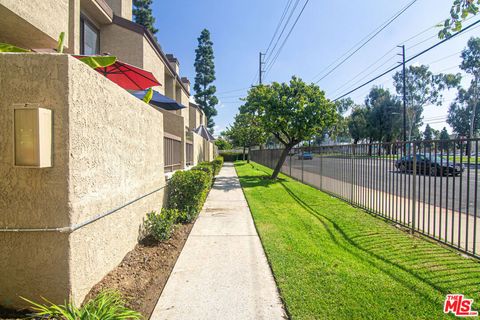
[{"x": 430, "y": 187}]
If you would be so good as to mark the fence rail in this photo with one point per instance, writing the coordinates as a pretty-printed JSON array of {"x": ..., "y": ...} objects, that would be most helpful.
[{"x": 430, "y": 187}]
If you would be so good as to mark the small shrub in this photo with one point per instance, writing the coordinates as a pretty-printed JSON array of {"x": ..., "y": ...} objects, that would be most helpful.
[
  {"x": 187, "y": 191},
  {"x": 160, "y": 225},
  {"x": 106, "y": 305}
]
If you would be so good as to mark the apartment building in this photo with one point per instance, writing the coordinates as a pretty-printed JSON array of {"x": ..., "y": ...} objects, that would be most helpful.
[{"x": 69, "y": 219}]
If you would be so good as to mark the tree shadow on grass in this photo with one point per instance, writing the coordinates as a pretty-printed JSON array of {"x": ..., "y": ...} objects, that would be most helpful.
[{"x": 433, "y": 265}]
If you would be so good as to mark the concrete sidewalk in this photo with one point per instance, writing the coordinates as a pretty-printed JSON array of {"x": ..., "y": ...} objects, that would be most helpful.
[{"x": 222, "y": 272}]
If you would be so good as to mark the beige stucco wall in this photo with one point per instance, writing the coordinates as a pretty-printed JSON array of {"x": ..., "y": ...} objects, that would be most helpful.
[
  {"x": 116, "y": 156},
  {"x": 33, "y": 23},
  {"x": 126, "y": 45},
  {"x": 192, "y": 118},
  {"x": 153, "y": 63},
  {"x": 33, "y": 264},
  {"x": 198, "y": 148},
  {"x": 121, "y": 8},
  {"x": 106, "y": 142}
]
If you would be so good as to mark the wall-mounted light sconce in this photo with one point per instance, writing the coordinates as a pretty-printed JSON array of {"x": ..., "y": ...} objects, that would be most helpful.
[{"x": 32, "y": 128}]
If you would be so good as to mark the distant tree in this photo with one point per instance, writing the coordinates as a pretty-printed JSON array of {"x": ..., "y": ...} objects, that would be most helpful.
[
  {"x": 463, "y": 114},
  {"x": 422, "y": 87},
  {"x": 223, "y": 144},
  {"x": 383, "y": 115},
  {"x": 340, "y": 132},
  {"x": 460, "y": 10},
  {"x": 292, "y": 112},
  {"x": 444, "y": 139},
  {"x": 246, "y": 132},
  {"x": 142, "y": 13},
  {"x": 357, "y": 124},
  {"x": 428, "y": 135},
  {"x": 205, "y": 75}
]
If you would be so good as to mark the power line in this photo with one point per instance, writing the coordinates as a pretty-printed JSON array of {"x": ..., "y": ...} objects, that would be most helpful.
[
  {"x": 365, "y": 76},
  {"x": 383, "y": 27},
  {"x": 231, "y": 91},
  {"x": 394, "y": 48},
  {"x": 283, "y": 30},
  {"x": 410, "y": 59},
  {"x": 286, "y": 38},
  {"x": 287, "y": 6}
]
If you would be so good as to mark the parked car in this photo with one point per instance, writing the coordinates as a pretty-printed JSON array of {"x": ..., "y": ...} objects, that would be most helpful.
[
  {"x": 305, "y": 156},
  {"x": 433, "y": 165}
]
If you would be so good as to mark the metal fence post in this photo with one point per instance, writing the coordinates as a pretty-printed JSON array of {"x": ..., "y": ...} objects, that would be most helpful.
[
  {"x": 352, "y": 159},
  {"x": 290, "y": 165},
  {"x": 414, "y": 187},
  {"x": 301, "y": 153},
  {"x": 321, "y": 168}
]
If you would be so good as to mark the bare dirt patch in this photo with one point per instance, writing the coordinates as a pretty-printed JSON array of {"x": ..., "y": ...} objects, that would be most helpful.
[
  {"x": 140, "y": 277},
  {"x": 144, "y": 271}
]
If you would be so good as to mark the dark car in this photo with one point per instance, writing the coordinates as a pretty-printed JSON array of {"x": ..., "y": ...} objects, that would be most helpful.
[
  {"x": 305, "y": 156},
  {"x": 426, "y": 164}
]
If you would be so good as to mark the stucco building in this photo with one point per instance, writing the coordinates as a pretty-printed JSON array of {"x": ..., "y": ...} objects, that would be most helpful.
[{"x": 65, "y": 225}]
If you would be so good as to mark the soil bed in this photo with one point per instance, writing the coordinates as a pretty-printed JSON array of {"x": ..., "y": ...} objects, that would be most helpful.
[
  {"x": 141, "y": 276},
  {"x": 144, "y": 271}
]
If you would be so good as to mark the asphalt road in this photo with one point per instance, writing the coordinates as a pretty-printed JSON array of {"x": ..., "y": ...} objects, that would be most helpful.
[{"x": 452, "y": 193}]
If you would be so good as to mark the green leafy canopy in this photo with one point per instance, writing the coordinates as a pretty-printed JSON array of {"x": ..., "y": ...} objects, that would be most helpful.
[{"x": 292, "y": 112}]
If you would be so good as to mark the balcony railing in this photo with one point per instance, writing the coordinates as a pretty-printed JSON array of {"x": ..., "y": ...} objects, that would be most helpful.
[{"x": 172, "y": 152}]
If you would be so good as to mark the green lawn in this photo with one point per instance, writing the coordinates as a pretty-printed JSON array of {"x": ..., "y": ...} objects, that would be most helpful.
[{"x": 333, "y": 261}]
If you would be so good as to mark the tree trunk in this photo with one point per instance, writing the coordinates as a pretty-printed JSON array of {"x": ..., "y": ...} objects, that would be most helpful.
[
  {"x": 248, "y": 157},
  {"x": 280, "y": 162},
  {"x": 243, "y": 153}
]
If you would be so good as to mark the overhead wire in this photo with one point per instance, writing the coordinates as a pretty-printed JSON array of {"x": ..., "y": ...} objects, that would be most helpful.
[
  {"x": 413, "y": 57},
  {"x": 364, "y": 43},
  {"x": 286, "y": 38}
]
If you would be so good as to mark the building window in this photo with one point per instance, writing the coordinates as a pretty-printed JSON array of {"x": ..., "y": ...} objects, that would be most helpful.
[{"x": 89, "y": 38}]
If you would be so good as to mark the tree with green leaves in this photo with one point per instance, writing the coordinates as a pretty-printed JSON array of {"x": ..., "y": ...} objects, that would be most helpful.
[
  {"x": 422, "y": 88},
  {"x": 246, "y": 132},
  {"x": 463, "y": 114},
  {"x": 292, "y": 112},
  {"x": 444, "y": 138},
  {"x": 340, "y": 132},
  {"x": 205, "y": 75},
  {"x": 459, "y": 11},
  {"x": 428, "y": 133},
  {"x": 223, "y": 144},
  {"x": 357, "y": 124},
  {"x": 383, "y": 116},
  {"x": 142, "y": 13}
]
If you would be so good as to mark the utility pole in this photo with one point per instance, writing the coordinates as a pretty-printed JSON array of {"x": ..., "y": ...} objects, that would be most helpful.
[
  {"x": 260, "y": 67},
  {"x": 404, "y": 75}
]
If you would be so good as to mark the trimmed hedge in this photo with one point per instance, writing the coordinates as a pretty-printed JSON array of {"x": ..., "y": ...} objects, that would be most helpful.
[
  {"x": 187, "y": 191},
  {"x": 206, "y": 167},
  {"x": 217, "y": 164},
  {"x": 233, "y": 156}
]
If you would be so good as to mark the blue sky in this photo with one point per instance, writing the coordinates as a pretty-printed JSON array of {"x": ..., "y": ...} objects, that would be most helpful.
[{"x": 326, "y": 30}]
